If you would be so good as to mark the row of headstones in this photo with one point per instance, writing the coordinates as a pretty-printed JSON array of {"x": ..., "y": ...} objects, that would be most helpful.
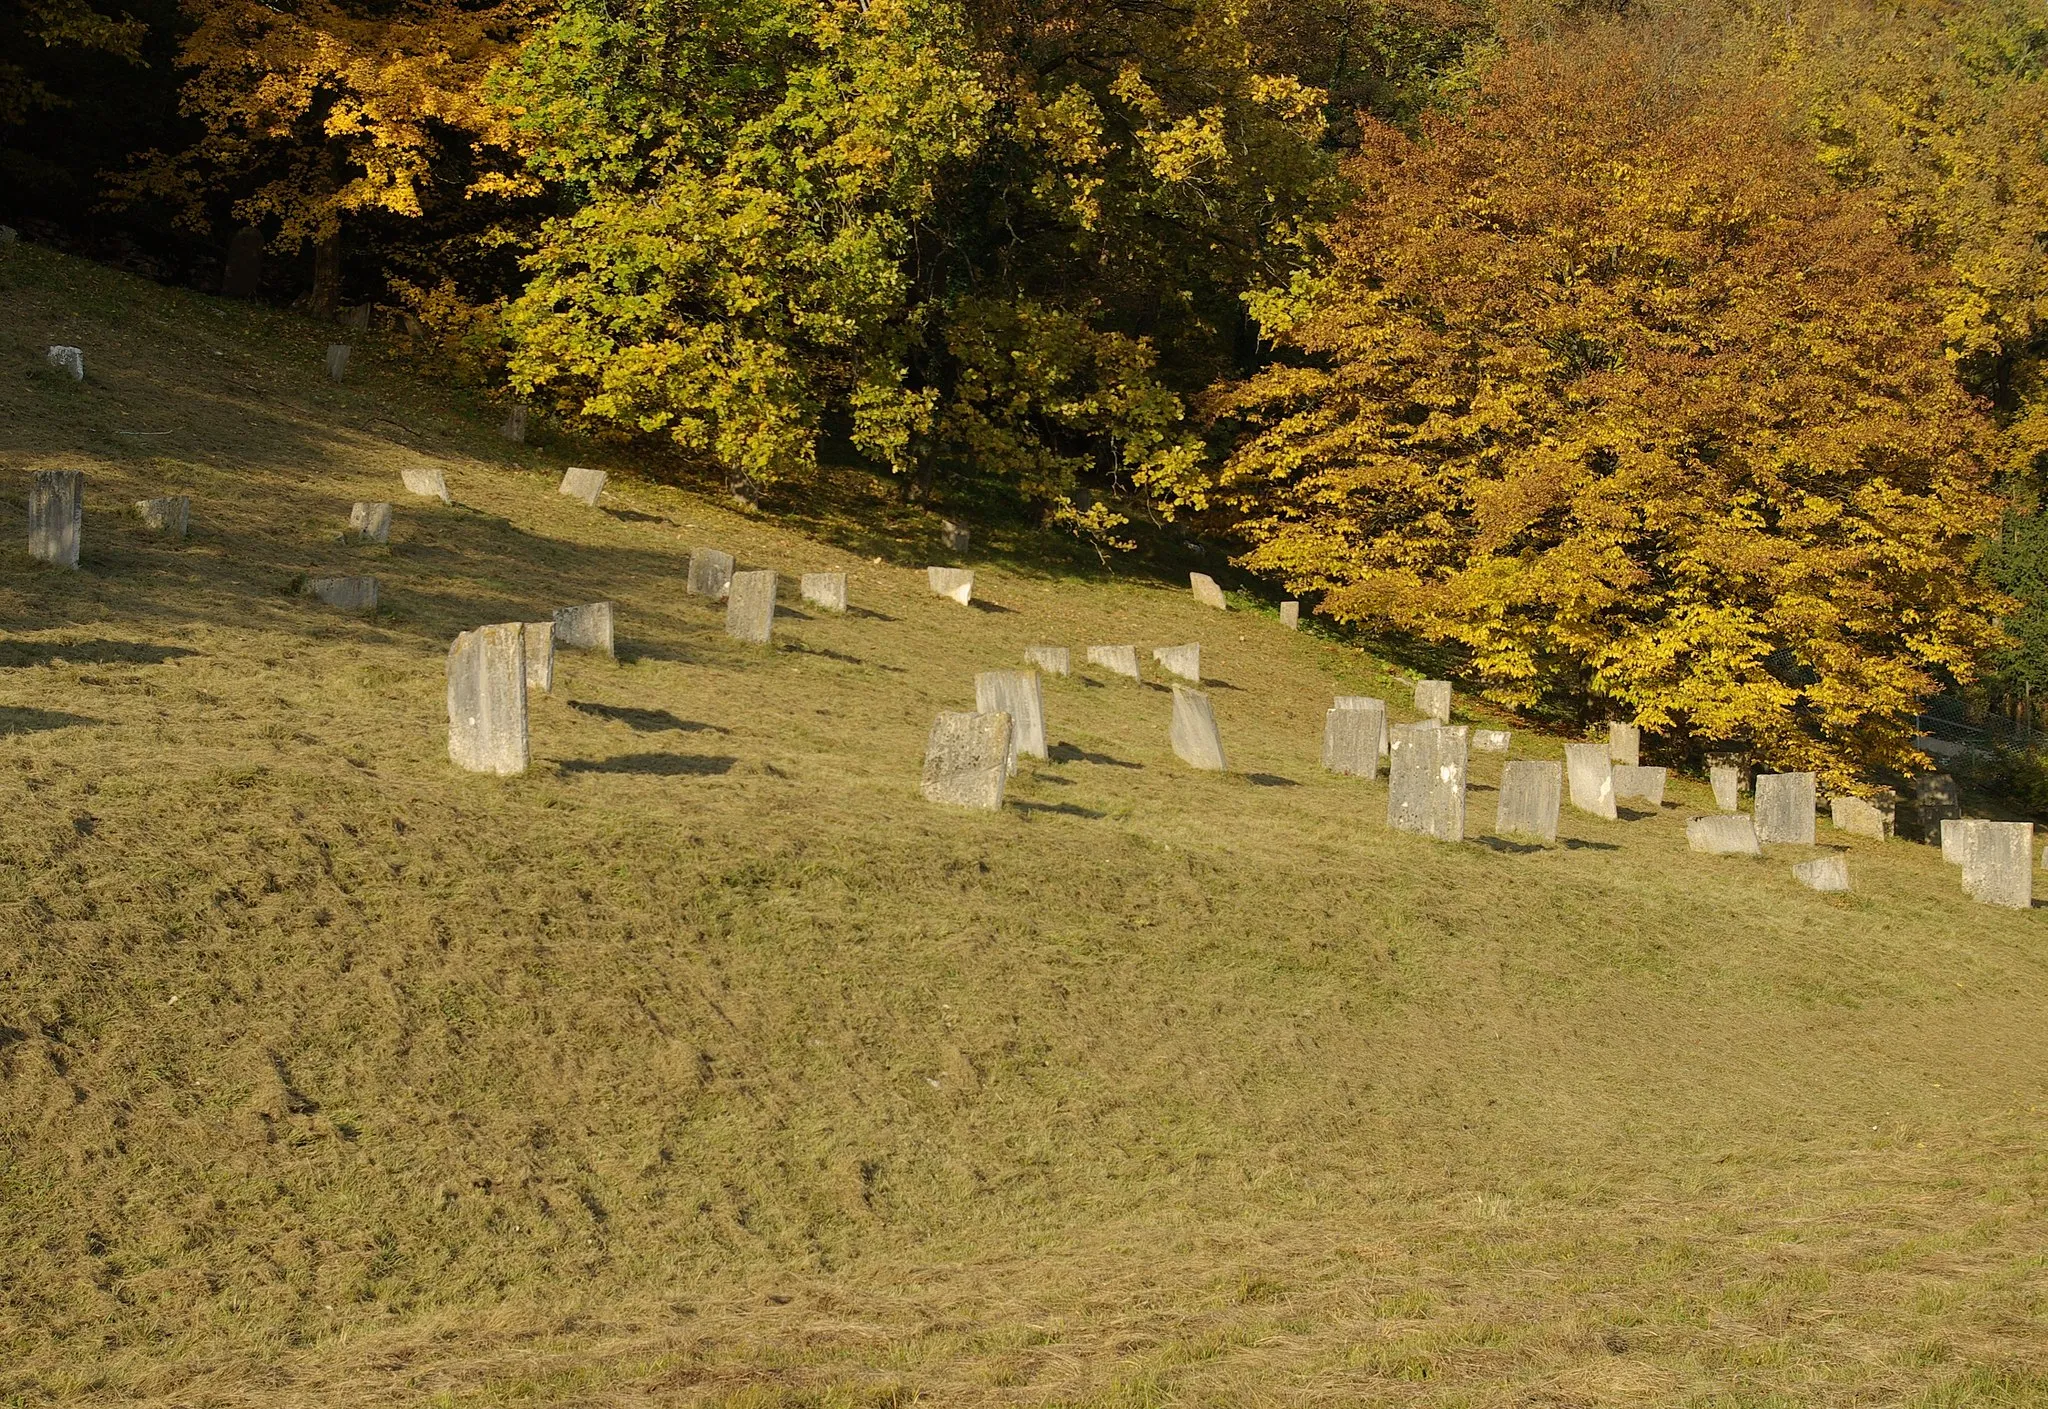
[
  {"x": 492, "y": 671},
  {"x": 1209, "y": 594}
]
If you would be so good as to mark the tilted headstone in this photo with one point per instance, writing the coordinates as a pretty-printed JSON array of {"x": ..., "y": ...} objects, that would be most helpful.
[
  {"x": 1118, "y": 660},
  {"x": 1639, "y": 782},
  {"x": 824, "y": 590},
  {"x": 955, "y": 535},
  {"x": 348, "y": 594},
  {"x": 1426, "y": 780},
  {"x": 1936, "y": 799},
  {"x": 56, "y": 516},
  {"x": 426, "y": 480},
  {"x": 1491, "y": 740},
  {"x": 957, "y": 583},
  {"x": 1723, "y": 835},
  {"x": 710, "y": 573},
  {"x": 171, "y": 516},
  {"x": 514, "y": 427},
  {"x": 1998, "y": 863},
  {"x": 1530, "y": 791},
  {"x": 750, "y": 607},
  {"x": 587, "y": 628},
  {"x": 1184, "y": 661},
  {"x": 1351, "y": 742},
  {"x": 337, "y": 361},
  {"x": 540, "y": 657},
  {"x": 1053, "y": 660},
  {"x": 243, "y": 277},
  {"x": 1590, "y": 773},
  {"x": 1625, "y": 744},
  {"x": 1829, "y": 873},
  {"x": 67, "y": 359},
  {"x": 1206, "y": 591},
  {"x": 1860, "y": 817},
  {"x": 1433, "y": 700},
  {"x": 371, "y": 522},
  {"x": 579, "y": 483},
  {"x": 487, "y": 699},
  {"x": 1290, "y": 615},
  {"x": 1015, "y": 693},
  {"x": 1726, "y": 781},
  {"x": 966, "y": 759},
  {"x": 1193, "y": 732},
  {"x": 1784, "y": 808}
]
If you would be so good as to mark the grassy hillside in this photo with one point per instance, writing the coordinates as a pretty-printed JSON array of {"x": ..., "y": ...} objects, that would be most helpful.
[{"x": 707, "y": 1064}]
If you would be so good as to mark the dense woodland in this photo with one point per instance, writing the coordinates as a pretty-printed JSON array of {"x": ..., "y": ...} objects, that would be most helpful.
[{"x": 1682, "y": 361}]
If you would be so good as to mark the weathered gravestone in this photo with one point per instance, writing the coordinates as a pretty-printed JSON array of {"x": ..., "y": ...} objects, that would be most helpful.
[
  {"x": 1491, "y": 740},
  {"x": 1184, "y": 661},
  {"x": 1625, "y": 744},
  {"x": 955, "y": 535},
  {"x": 1860, "y": 817},
  {"x": 966, "y": 759},
  {"x": 1351, "y": 742},
  {"x": 67, "y": 359},
  {"x": 957, "y": 583},
  {"x": 9, "y": 236},
  {"x": 1639, "y": 782},
  {"x": 1367, "y": 702},
  {"x": 750, "y": 607},
  {"x": 487, "y": 699},
  {"x": 587, "y": 628},
  {"x": 1952, "y": 839},
  {"x": 1053, "y": 660},
  {"x": 1726, "y": 781},
  {"x": 1426, "y": 780},
  {"x": 337, "y": 361},
  {"x": 1118, "y": 660},
  {"x": 1998, "y": 863},
  {"x": 1530, "y": 791},
  {"x": 1206, "y": 591},
  {"x": 1433, "y": 700},
  {"x": 349, "y": 594},
  {"x": 1290, "y": 615},
  {"x": 357, "y": 317},
  {"x": 1785, "y": 808},
  {"x": 540, "y": 657},
  {"x": 243, "y": 276},
  {"x": 1590, "y": 773},
  {"x": 1193, "y": 732},
  {"x": 824, "y": 590},
  {"x": 710, "y": 573},
  {"x": 171, "y": 516},
  {"x": 56, "y": 516},
  {"x": 1823, "y": 873},
  {"x": 426, "y": 480},
  {"x": 514, "y": 428},
  {"x": 580, "y": 483},
  {"x": 1724, "y": 835},
  {"x": 370, "y": 522},
  {"x": 1015, "y": 693},
  {"x": 1936, "y": 799}
]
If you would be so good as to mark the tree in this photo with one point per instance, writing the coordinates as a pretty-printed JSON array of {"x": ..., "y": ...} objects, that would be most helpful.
[{"x": 1611, "y": 386}]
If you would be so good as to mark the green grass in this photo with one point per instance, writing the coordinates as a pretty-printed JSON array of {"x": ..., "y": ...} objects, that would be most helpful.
[{"x": 707, "y": 1064}]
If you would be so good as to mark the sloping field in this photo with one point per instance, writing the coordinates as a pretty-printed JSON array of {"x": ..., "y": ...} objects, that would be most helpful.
[{"x": 707, "y": 1064}]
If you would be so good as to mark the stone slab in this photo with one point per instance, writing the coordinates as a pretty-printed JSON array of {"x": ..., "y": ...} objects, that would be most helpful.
[
  {"x": 1206, "y": 591},
  {"x": 540, "y": 657},
  {"x": 67, "y": 359},
  {"x": 1590, "y": 773},
  {"x": 956, "y": 536},
  {"x": 170, "y": 516},
  {"x": 1828, "y": 873},
  {"x": 1723, "y": 835},
  {"x": 1015, "y": 693},
  {"x": 1530, "y": 793},
  {"x": 1118, "y": 660},
  {"x": 1952, "y": 839},
  {"x": 1726, "y": 781},
  {"x": 1785, "y": 809},
  {"x": 1290, "y": 615},
  {"x": 824, "y": 590},
  {"x": 1053, "y": 660},
  {"x": 750, "y": 607},
  {"x": 710, "y": 573},
  {"x": 1998, "y": 863},
  {"x": 487, "y": 699},
  {"x": 586, "y": 628},
  {"x": 56, "y": 516},
  {"x": 1351, "y": 742},
  {"x": 1638, "y": 781},
  {"x": 957, "y": 583},
  {"x": 514, "y": 427},
  {"x": 1491, "y": 740},
  {"x": 1183, "y": 661},
  {"x": 1433, "y": 700},
  {"x": 1367, "y": 702},
  {"x": 426, "y": 481},
  {"x": 1860, "y": 817},
  {"x": 337, "y": 361},
  {"x": 1625, "y": 744},
  {"x": 371, "y": 522},
  {"x": 1426, "y": 780},
  {"x": 580, "y": 483},
  {"x": 1936, "y": 799},
  {"x": 348, "y": 594},
  {"x": 1193, "y": 733},
  {"x": 966, "y": 760}
]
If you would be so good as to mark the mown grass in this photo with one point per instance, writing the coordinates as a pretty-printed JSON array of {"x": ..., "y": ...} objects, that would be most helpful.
[{"x": 706, "y": 1064}]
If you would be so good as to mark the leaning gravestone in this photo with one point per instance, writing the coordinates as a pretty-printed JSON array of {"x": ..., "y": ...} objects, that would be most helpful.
[
  {"x": 1639, "y": 782},
  {"x": 1998, "y": 863},
  {"x": 1426, "y": 780},
  {"x": 349, "y": 594},
  {"x": 1015, "y": 693},
  {"x": 67, "y": 359},
  {"x": 710, "y": 573},
  {"x": 540, "y": 657},
  {"x": 1290, "y": 615},
  {"x": 579, "y": 483},
  {"x": 824, "y": 590},
  {"x": 1193, "y": 732},
  {"x": 1053, "y": 660},
  {"x": 1591, "y": 775},
  {"x": 1184, "y": 661},
  {"x": 750, "y": 607},
  {"x": 1433, "y": 700},
  {"x": 172, "y": 516},
  {"x": 514, "y": 428},
  {"x": 966, "y": 759},
  {"x": 1530, "y": 791},
  {"x": 1206, "y": 591},
  {"x": 1625, "y": 744},
  {"x": 957, "y": 583},
  {"x": 587, "y": 628},
  {"x": 337, "y": 361},
  {"x": 1118, "y": 660},
  {"x": 1351, "y": 742},
  {"x": 1724, "y": 835},
  {"x": 1860, "y": 817},
  {"x": 1491, "y": 740},
  {"x": 1726, "y": 781},
  {"x": 370, "y": 522},
  {"x": 1784, "y": 808},
  {"x": 426, "y": 480},
  {"x": 1829, "y": 873},
  {"x": 56, "y": 516},
  {"x": 955, "y": 535},
  {"x": 487, "y": 699}
]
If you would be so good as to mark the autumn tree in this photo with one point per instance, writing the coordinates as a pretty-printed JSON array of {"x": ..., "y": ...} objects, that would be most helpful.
[{"x": 1611, "y": 386}]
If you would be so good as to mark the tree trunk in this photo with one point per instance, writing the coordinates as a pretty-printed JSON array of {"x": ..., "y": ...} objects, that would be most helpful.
[{"x": 326, "y": 295}]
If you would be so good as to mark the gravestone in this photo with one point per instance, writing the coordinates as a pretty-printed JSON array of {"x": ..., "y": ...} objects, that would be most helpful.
[
  {"x": 1053, "y": 660},
  {"x": 955, "y": 535},
  {"x": 1723, "y": 835},
  {"x": 1193, "y": 732},
  {"x": 56, "y": 517},
  {"x": 957, "y": 583},
  {"x": 1426, "y": 780},
  {"x": 1590, "y": 773},
  {"x": 9, "y": 236},
  {"x": 1351, "y": 742},
  {"x": 1830, "y": 873},
  {"x": 824, "y": 590},
  {"x": 966, "y": 759},
  {"x": 587, "y": 628},
  {"x": 487, "y": 699},
  {"x": 1367, "y": 702},
  {"x": 1184, "y": 661},
  {"x": 1784, "y": 808},
  {"x": 1860, "y": 817},
  {"x": 1118, "y": 660},
  {"x": 427, "y": 481},
  {"x": 1015, "y": 693},
  {"x": 370, "y": 522},
  {"x": 1206, "y": 591},
  {"x": 514, "y": 428},
  {"x": 1290, "y": 615},
  {"x": 337, "y": 361},
  {"x": 579, "y": 483},
  {"x": 1998, "y": 863},
  {"x": 750, "y": 607},
  {"x": 1936, "y": 799},
  {"x": 1530, "y": 791},
  {"x": 1952, "y": 839},
  {"x": 67, "y": 359},
  {"x": 710, "y": 573},
  {"x": 243, "y": 277},
  {"x": 1625, "y": 744},
  {"x": 171, "y": 516},
  {"x": 540, "y": 657},
  {"x": 1433, "y": 700},
  {"x": 349, "y": 594},
  {"x": 1726, "y": 781},
  {"x": 1491, "y": 740},
  {"x": 1639, "y": 782},
  {"x": 357, "y": 317}
]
